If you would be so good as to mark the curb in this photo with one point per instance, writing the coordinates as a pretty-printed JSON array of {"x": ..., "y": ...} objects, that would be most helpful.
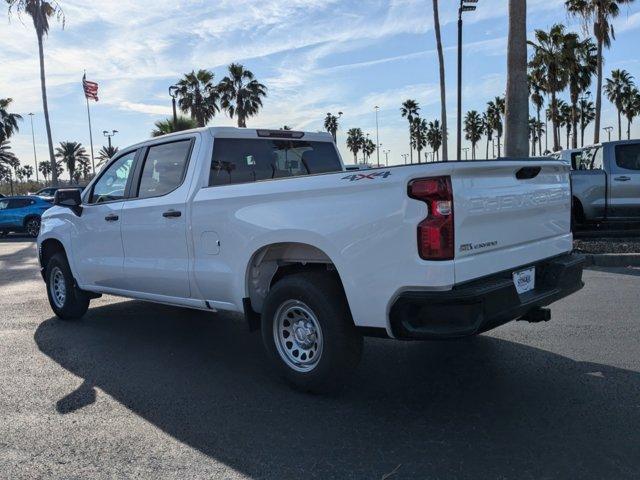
[{"x": 613, "y": 260}]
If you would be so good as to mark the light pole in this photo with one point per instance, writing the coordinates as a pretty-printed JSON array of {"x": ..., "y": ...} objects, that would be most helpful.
[
  {"x": 109, "y": 135},
  {"x": 405, "y": 156},
  {"x": 464, "y": 7},
  {"x": 608, "y": 130},
  {"x": 33, "y": 137},
  {"x": 377, "y": 108},
  {"x": 466, "y": 149},
  {"x": 173, "y": 92},
  {"x": 386, "y": 157}
]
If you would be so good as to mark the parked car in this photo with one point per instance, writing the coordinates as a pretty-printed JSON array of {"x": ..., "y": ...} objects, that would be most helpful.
[
  {"x": 570, "y": 156},
  {"x": 49, "y": 192},
  {"x": 606, "y": 183},
  {"x": 22, "y": 214},
  {"x": 268, "y": 223}
]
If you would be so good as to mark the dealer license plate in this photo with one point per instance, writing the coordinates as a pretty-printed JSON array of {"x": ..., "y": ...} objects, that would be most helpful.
[{"x": 525, "y": 280}]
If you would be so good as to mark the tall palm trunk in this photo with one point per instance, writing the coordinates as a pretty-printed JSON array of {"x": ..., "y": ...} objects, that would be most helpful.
[
  {"x": 45, "y": 107},
  {"x": 574, "y": 124},
  {"x": 443, "y": 95},
  {"x": 619, "y": 125},
  {"x": 487, "y": 153},
  {"x": 554, "y": 122},
  {"x": 596, "y": 127},
  {"x": 539, "y": 136},
  {"x": 517, "y": 98}
]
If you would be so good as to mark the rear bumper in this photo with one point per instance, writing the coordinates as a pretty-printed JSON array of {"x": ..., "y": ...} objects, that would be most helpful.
[{"x": 483, "y": 304}]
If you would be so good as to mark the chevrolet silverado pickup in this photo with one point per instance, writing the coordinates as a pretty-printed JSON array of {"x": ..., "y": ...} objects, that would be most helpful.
[
  {"x": 270, "y": 224},
  {"x": 606, "y": 183}
]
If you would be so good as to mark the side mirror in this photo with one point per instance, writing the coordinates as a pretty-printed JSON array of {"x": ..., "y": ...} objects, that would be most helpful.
[{"x": 70, "y": 198}]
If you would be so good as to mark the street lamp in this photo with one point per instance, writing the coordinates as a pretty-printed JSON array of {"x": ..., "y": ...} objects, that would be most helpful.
[
  {"x": 173, "y": 92},
  {"x": 109, "y": 135},
  {"x": 405, "y": 156},
  {"x": 466, "y": 149},
  {"x": 33, "y": 137},
  {"x": 386, "y": 157},
  {"x": 608, "y": 130},
  {"x": 377, "y": 108},
  {"x": 464, "y": 7}
]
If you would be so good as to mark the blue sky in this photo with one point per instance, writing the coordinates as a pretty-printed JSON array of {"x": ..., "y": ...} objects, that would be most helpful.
[{"x": 316, "y": 56}]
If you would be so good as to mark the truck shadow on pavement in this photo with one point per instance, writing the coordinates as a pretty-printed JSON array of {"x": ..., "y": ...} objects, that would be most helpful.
[{"x": 478, "y": 408}]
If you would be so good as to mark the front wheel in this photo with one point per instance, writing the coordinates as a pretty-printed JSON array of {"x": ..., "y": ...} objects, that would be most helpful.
[
  {"x": 308, "y": 332},
  {"x": 32, "y": 227},
  {"x": 67, "y": 301}
]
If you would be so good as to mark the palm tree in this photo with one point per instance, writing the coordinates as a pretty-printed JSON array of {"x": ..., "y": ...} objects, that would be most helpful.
[
  {"x": 488, "y": 129},
  {"x": 536, "y": 128},
  {"x": 517, "y": 97},
  {"x": 598, "y": 13},
  {"x": 8, "y": 161},
  {"x": 45, "y": 169},
  {"x": 549, "y": 57},
  {"x": 419, "y": 131},
  {"x": 409, "y": 110},
  {"x": 587, "y": 112},
  {"x": 443, "y": 96},
  {"x": 166, "y": 126},
  {"x": 241, "y": 94},
  {"x": 8, "y": 121},
  {"x": 581, "y": 64},
  {"x": 554, "y": 116},
  {"x": 72, "y": 155},
  {"x": 331, "y": 125},
  {"x": 198, "y": 96},
  {"x": 537, "y": 98},
  {"x": 106, "y": 153},
  {"x": 495, "y": 110},
  {"x": 615, "y": 89},
  {"x": 41, "y": 11},
  {"x": 566, "y": 118},
  {"x": 631, "y": 107},
  {"x": 473, "y": 130},
  {"x": 355, "y": 141},
  {"x": 368, "y": 148},
  {"x": 435, "y": 137}
]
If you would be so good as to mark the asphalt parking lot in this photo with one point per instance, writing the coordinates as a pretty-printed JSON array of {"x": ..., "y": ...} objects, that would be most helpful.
[{"x": 145, "y": 391}]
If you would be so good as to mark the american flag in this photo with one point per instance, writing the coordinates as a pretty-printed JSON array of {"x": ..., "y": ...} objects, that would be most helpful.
[{"x": 90, "y": 88}]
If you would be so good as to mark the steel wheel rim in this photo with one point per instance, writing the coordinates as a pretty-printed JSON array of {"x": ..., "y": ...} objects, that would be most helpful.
[
  {"x": 33, "y": 228},
  {"x": 298, "y": 336},
  {"x": 58, "y": 287}
]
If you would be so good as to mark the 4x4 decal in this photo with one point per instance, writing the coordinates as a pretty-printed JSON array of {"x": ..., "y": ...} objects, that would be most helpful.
[{"x": 369, "y": 176}]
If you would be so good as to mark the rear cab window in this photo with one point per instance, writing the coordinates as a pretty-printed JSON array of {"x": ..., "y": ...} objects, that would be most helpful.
[
  {"x": 628, "y": 156},
  {"x": 250, "y": 160}
]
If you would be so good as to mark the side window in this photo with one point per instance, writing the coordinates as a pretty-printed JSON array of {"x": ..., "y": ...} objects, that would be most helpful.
[
  {"x": 243, "y": 161},
  {"x": 112, "y": 183},
  {"x": 628, "y": 156},
  {"x": 4, "y": 204},
  {"x": 18, "y": 203},
  {"x": 164, "y": 168}
]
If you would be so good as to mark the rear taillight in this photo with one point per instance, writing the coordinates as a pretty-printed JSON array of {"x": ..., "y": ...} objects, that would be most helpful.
[{"x": 435, "y": 233}]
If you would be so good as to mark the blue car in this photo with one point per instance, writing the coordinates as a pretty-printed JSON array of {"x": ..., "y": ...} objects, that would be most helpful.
[{"x": 22, "y": 214}]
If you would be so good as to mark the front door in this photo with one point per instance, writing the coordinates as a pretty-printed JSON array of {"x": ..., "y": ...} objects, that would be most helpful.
[
  {"x": 154, "y": 222},
  {"x": 97, "y": 245},
  {"x": 625, "y": 181}
]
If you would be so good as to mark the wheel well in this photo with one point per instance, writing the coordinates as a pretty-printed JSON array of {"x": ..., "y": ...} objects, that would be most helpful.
[
  {"x": 273, "y": 262},
  {"x": 29, "y": 217},
  {"x": 48, "y": 249}
]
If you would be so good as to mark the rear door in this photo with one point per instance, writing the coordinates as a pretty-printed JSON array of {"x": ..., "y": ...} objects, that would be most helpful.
[
  {"x": 509, "y": 214},
  {"x": 624, "y": 197},
  {"x": 154, "y": 225}
]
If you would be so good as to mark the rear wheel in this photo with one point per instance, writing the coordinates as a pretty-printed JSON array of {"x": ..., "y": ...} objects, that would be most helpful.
[
  {"x": 308, "y": 332},
  {"x": 66, "y": 299},
  {"x": 32, "y": 227}
]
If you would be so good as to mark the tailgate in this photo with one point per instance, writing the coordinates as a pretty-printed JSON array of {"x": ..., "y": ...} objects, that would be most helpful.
[{"x": 509, "y": 214}]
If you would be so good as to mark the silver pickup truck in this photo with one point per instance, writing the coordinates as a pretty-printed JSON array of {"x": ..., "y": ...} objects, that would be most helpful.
[{"x": 606, "y": 183}]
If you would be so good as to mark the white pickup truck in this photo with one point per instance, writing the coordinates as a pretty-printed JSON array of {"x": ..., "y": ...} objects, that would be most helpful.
[{"x": 269, "y": 223}]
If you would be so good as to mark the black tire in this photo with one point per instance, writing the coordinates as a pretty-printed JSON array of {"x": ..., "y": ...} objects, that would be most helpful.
[
  {"x": 75, "y": 302},
  {"x": 32, "y": 227},
  {"x": 341, "y": 343},
  {"x": 3, "y": 233}
]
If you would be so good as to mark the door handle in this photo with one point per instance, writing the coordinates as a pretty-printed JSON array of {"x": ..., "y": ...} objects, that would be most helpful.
[
  {"x": 111, "y": 217},
  {"x": 622, "y": 179},
  {"x": 172, "y": 214}
]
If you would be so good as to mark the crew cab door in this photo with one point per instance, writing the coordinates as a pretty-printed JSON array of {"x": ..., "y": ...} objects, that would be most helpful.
[
  {"x": 624, "y": 197},
  {"x": 97, "y": 243},
  {"x": 154, "y": 221}
]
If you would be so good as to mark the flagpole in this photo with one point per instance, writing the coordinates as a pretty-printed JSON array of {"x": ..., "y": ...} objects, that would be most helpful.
[{"x": 93, "y": 163}]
